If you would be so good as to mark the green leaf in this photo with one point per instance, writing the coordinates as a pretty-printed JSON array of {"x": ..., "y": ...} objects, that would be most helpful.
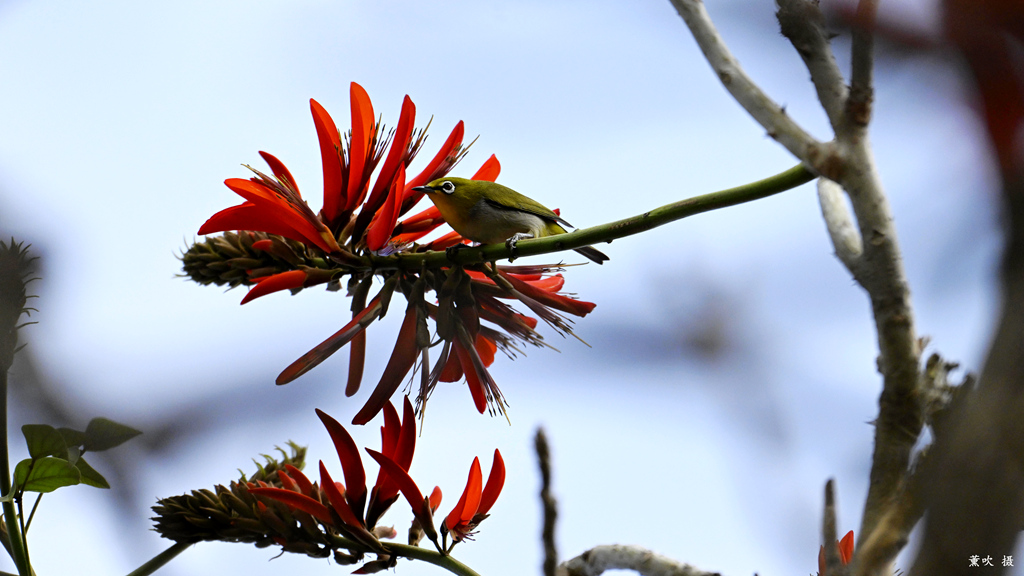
[
  {"x": 21, "y": 472},
  {"x": 90, "y": 476},
  {"x": 104, "y": 434},
  {"x": 72, "y": 437},
  {"x": 44, "y": 440},
  {"x": 45, "y": 475}
]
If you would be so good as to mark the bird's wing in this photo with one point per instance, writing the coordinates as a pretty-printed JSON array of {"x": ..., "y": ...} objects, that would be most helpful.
[{"x": 525, "y": 204}]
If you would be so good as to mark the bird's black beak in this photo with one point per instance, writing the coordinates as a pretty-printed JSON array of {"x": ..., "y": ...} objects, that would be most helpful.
[{"x": 424, "y": 189}]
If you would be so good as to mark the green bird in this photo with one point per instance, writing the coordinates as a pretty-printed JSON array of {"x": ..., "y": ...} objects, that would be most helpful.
[{"x": 490, "y": 213}]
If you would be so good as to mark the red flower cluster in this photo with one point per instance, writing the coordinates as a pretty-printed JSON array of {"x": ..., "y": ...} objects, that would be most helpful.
[
  {"x": 344, "y": 507},
  {"x": 358, "y": 222},
  {"x": 274, "y": 205}
]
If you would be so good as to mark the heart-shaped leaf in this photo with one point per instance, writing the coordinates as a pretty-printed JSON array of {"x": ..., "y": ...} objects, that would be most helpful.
[
  {"x": 44, "y": 440},
  {"x": 104, "y": 434},
  {"x": 45, "y": 474}
]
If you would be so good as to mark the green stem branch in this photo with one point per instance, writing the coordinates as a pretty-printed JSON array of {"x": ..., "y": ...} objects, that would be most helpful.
[
  {"x": 18, "y": 552},
  {"x": 160, "y": 560},
  {"x": 607, "y": 232},
  {"x": 413, "y": 553}
]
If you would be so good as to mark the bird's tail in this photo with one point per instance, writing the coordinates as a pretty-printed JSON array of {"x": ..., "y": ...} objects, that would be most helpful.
[{"x": 593, "y": 254}]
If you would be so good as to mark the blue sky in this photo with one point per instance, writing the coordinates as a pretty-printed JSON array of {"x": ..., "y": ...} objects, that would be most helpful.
[{"x": 119, "y": 122}]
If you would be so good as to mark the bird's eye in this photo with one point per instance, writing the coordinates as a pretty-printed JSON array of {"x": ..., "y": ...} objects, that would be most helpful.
[{"x": 447, "y": 187}]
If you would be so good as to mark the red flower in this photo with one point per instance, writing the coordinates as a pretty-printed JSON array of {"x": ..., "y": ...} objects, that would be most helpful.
[
  {"x": 845, "y": 552},
  {"x": 343, "y": 509},
  {"x": 471, "y": 510},
  {"x": 274, "y": 205},
  {"x": 475, "y": 502}
]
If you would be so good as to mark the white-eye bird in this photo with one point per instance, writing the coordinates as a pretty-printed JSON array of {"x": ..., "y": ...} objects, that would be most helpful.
[{"x": 489, "y": 213}]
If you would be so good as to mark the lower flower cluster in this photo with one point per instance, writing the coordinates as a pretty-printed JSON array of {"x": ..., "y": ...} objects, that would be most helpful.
[{"x": 281, "y": 505}]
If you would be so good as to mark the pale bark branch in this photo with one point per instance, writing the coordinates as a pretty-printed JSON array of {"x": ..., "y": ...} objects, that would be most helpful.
[
  {"x": 616, "y": 557},
  {"x": 765, "y": 111},
  {"x": 845, "y": 237},
  {"x": 878, "y": 268},
  {"x": 804, "y": 25}
]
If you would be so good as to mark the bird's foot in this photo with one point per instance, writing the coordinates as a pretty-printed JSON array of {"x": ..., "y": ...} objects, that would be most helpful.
[{"x": 511, "y": 243}]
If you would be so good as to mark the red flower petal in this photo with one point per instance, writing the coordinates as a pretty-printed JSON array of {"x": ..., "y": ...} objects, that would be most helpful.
[
  {"x": 279, "y": 169},
  {"x": 336, "y": 497},
  {"x": 476, "y": 386},
  {"x": 274, "y": 207},
  {"x": 330, "y": 155},
  {"x": 549, "y": 284},
  {"x": 495, "y": 482},
  {"x": 324, "y": 350},
  {"x": 449, "y": 239},
  {"x": 489, "y": 171},
  {"x": 435, "y": 498},
  {"x": 263, "y": 218},
  {"x": 401, "y": 361},
  {"x": 390, "y": 431},
  {"x": 399, "y": 444},
  {"x": 277, "y": 282},
  {"x": 452, "y": 371},
  {"x": 304, "y": 484},
  {"x": 286, "y": 481},
  {"x": 359, "y": 145},
  {"x": 486, "y": 348},
  {"x": 568, "y": 305},
  {"x": 396, "y": 157},
  {"x": 356, "y": 362},
  {"x": 384, "y": 223},
  {"x": 410, "y": 491},
  {"x": 433, "y": 169},
  {"x": 264, "y": 245},
  {"x": 846, "y": 548},
  {"x": 298, "y": 501},
  {"x": 407, "y": 437},
  {"x": 351, "y": 464},
  {"x": 470, "y": 500},
  {"x": 430, "y": 215}
]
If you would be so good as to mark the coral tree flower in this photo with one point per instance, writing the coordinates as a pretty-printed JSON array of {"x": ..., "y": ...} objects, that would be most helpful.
[
  {"x": 475, "y": 502},
  {"x": 344, "y": 507},
  {"x": 845, "y": 552},
  {"x": 282, "y": 244},
  {"x": 468, "y": 513}
]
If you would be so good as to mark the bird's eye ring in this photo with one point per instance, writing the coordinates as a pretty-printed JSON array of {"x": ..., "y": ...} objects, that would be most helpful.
[{"x": 447, "y": 187}]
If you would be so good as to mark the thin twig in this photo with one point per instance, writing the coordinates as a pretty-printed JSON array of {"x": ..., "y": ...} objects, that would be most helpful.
[
  {"x": 549, "y": 505},
  {"x": 846, "y": 238},
  {"x": 803, "y": 23},
  {"x": 858, "y": 106},
  {"x": 160, "y": 559},
  {"x": 828, "y": 530}
]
